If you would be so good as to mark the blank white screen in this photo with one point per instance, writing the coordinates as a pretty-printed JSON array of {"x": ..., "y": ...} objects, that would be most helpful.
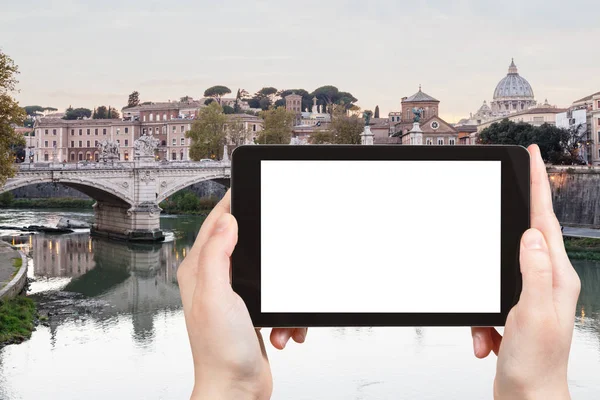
[{"x": 380, "y": 236}]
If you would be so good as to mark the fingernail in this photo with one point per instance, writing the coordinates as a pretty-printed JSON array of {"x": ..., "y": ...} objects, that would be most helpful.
[
  {"x": 533, "y": 240},
  {"x": 476, "y": 343},
  {"x": 222, "y": 223}
]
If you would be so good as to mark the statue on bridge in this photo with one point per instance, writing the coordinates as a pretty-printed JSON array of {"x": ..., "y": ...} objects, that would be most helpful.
[
  {"x": 146, "y": 145},
  {"x": 108, "y": 149}
]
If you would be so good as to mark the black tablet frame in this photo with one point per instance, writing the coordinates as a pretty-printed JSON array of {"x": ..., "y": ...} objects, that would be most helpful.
[{"x": 245, "y": 206}]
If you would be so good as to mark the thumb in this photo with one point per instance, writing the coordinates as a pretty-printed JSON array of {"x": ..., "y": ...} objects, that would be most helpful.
[
  {"x": 214, "y": 261},
  {"x": 536, "y": 269}
]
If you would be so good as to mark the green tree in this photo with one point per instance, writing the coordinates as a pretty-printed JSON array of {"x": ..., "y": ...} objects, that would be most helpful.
[
  {"x": 376, "y": 112},
  {"x": 330, "y": 95},
  {"x": 322, "y": 137},
  {"x": 101, "y": 113},
  {"x": 77, "y": 113},
  {"x": 134, "y": 99},
  {"x": 277, "y": 127},
  {"x": 237, "y": 132},
  {"x": 208, "y": 133},
  {"x": 241, "y": 95},
  {"x": 11, "y": 114},
  {"x": 345, "y": 129},
  {"x": 217, "y": 92},
  {"x": 228, "y": 109},
  {"x": 208, "y": 101}
]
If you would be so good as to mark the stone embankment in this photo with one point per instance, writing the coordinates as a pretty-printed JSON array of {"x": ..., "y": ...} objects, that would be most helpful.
[{"x": 13, "y": 271}]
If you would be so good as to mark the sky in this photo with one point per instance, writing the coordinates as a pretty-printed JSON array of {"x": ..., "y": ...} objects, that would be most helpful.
[{"x": 86, "y": 55}]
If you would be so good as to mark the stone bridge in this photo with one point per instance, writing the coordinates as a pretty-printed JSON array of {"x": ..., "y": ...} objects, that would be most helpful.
[{"x": 127, "y": 194}]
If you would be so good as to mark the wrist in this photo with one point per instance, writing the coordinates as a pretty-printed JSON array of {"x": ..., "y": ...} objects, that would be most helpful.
[
  {"x": 555, "y": 391},
  {"x": 223, "y": 391}
]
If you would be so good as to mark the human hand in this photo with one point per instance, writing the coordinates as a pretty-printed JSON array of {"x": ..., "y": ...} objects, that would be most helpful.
[
  {"x": 230, "y": 361},
  {"x": 534, "y": 352}
]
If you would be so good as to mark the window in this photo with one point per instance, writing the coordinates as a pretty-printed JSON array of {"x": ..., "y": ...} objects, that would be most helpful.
[
  {"x": 104, "y": 131},
  {"x": 164, "y": 143},
  {"x": 158, "y": 117},
  {"x": 174, "y": 142},
  {"x": 88, "y": 131},
  {"x": 126, "y": 130},
  {"x": 254, "y": 128},
  {"x": 45, "y": 131},
  {"x": 126, "y": 156},
  {"x": 54, "y": 143},
  {"x": 598, "y": 136},
  {"x": 45, "y": 143},
  {"x": 54, "y": 132},
  {"x": 429, "y": 141},
  {"x": 151, "y": 117},
  {"x": 144, "y": 118},
  {"x": 174, "y": 129},
  {"x": 72, "y": 143},
  {"x": 45, "y": 156},
  {"x": 96, "y": 156},
  {"x": 183, "y": 141},
  {"x": 95, "y": 143},
  {"x": 598, "y": 103},
  {"x": 173, "y": 156},
  {"x": 144, "y": 131},
  {"x": 88, "y": 143},
  {"x": 96, "y": 131},
  {"x": 88, "y": 156},
  {"x": 118, "y": 131},
  {"x": 451, "y": 141},
  {"x": 80, "y": 132},
  {"x": 80, "y": 156},
  {"x": 182, "y": 128},
  {"x": 164, "y": 117},
  {"x": 150, "y": 130},
  {"x": 440, "y": 141},
  {"x": 72, "y": 156},
  {"x": 181, "y": 155},
  {"x": 80, "y": 143},
  {"x": 126, "y": 142},
  {"x": 72, "y": 132}
]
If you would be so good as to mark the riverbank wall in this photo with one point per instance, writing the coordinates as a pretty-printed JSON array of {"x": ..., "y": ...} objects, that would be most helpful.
[
  {"x": 576, "y": 195},
  {"x": 11, "y": 283}
]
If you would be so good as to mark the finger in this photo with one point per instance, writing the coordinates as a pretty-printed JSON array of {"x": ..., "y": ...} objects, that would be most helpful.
[
  {"x": 214, "y": 260},
  {"x": 280, "y": 336},
  {"x": 536, "y": 269},
  {"x": 482, "y": 341},
  {"x": 496, "y": 340},
  {"x": 565, "y": 281},
  {"x": 299, "y": 335},
  {"x": 221, "y": 208}
]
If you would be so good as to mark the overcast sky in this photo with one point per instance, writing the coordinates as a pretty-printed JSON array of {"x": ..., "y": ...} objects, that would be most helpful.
[{"x": 71, "y": 53}]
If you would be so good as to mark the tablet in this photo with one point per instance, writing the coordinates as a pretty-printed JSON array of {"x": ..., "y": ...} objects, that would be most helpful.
[{"x": 379, "y": 235}]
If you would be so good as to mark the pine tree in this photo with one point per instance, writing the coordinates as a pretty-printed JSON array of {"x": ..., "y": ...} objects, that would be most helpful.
[
  {"x": 376, "y": 112},
  {"x": 94, "y": 114}
]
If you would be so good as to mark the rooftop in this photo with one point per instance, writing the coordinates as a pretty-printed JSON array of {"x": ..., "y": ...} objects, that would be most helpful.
[
  {"x": 587, "y": 98},
  {"x": 420, "y": 96}
]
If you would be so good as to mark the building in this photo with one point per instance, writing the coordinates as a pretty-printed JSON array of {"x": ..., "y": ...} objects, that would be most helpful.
[
  {"x": 434, "y": 129},
  {"x": 537, "y": 116},
  {"x": 59, "y": 140},
  {"x": 306, "y": 122},
  {"x": 591, "y": 106},
  {"x": 576, "y": 120},
  {"x": 513, "y": 94}
]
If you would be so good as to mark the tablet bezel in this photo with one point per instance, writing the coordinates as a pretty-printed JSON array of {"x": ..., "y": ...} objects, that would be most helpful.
[{"x": 245, "y": 206}]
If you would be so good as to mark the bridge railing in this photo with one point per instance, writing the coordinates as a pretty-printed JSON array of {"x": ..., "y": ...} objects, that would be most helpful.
[{"x": 121, "y": 165}]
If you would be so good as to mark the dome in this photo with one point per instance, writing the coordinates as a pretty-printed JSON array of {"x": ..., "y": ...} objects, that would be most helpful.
[{"x": 513, "y": 86}]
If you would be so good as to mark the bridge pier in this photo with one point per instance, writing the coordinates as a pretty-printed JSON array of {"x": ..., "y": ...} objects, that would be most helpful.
[{"x": 140, "y": 223}]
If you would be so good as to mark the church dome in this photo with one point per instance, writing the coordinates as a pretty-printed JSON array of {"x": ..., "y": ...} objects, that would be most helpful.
[{"x": 513, "y": 85}]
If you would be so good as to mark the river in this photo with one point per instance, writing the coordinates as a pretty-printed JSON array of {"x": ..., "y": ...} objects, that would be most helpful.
[{"x": 117, "y": 331}]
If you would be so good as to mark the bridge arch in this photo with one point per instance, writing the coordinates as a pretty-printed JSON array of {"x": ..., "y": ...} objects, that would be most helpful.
[
  {"x": 97, "y": 190},
  {"x": 170, "y": 188}
]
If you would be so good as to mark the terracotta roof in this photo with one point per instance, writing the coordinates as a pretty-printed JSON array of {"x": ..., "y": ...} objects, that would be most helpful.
[
  {"x": 173, "y": 105},
  {"x": 420, "y": 96}
]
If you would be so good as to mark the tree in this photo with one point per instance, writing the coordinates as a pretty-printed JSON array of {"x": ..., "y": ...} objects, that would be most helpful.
[
  {"x": 134, "y": 99},
  {"x": 217, "y": 92},
  {"x": 104, "y": 112},
  {"x": 228, "y": 109},
  {"x": 241, "y": 95},
  {"x": 557, "y": 145},
  {"x": 277, "y": 127},
  {"x": 208, "y": 101},
  {"x": 77, "y": 113},
  {"x": 376, "y": 112},
  {"x": 237, "y": 132},
  {"x": 322, "y": 137},
  {"x": 207, "y": 133},
  {"x": 329, "y": 95},
  {"x": 101, "y": 113},
  {"x": 185, "y": 99},
  {"x": 114, "y": 113},
  {"x": 345, "y": 129},
  {"x": 10, "y": 114}
]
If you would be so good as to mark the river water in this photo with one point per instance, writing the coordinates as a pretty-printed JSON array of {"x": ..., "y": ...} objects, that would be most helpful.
[{"x": 117, "y": 331}]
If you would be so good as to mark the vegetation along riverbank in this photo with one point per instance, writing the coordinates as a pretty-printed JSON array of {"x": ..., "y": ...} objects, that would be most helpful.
[
  {"x": 187, "y": 202},
  {"x": 17, "y": 320},
  {"x": 583, "y": 248},
  {"x": 7, "y": 200}
]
